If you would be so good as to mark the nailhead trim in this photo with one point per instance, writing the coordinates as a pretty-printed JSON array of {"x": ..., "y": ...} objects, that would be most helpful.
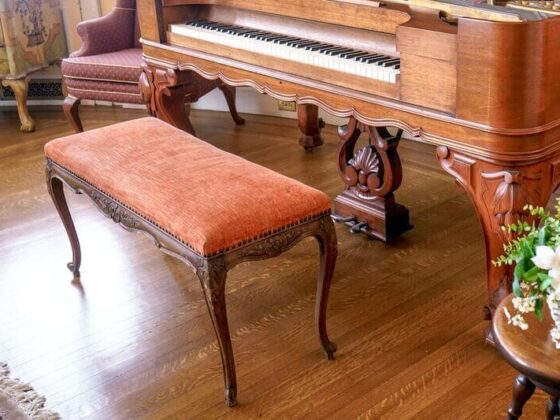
[{"x": 235, "y": 246}]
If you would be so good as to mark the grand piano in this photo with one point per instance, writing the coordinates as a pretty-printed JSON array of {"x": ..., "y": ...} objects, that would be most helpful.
[{"x": 479, "y": 82}]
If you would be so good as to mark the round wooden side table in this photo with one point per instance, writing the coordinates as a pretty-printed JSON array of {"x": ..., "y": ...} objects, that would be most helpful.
[{"x": 533, "y": 354}]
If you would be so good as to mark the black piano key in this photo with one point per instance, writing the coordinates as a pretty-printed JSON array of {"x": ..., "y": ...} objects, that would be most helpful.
[
  {"x": 260, "y": 36},
  {"x": 377, "y": 59},
  {"x": 324, "y": 49},
  {"x": 381, "y": 62},
  {"x": 235, "y": 29},
  {"x": 287, "y": 41},
  {"x": 214, "y": 25},
  {"x": 224, "y": 28},
  {"x": 206, "y": 24},
  {"x": 397, "y": 66},
  {"x": 317, "y": 47},
  {"x": 390, "y": 63},
  {"x": 331, "y": 49},
  {"x": 245, "y": 31},
  {"x": 271, "y": 38},
  {"x": 197, "y": 23},
  {"x": 356, "y": 54},
  {"x": 305, "y": 44},
  {"x": 252, "y": 34},
  {"x": 282, "y": 39},
  {"x": 297, "y": 42},
  {"x": 348, "y": 54},
  {"x": 340, "y": 52},
  {"x": 364, "y": 58}
]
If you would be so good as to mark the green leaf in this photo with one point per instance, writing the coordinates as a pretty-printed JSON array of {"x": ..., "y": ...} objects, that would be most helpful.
[
  {"x": 516, "y": 288},
  {"x": 545, "y": 284},
  {"x": 527, "y": 249},
  {"x": 532, "y": 274},
  {"x": 538, "y": 309},
  {"x": 543, "y": 235}
]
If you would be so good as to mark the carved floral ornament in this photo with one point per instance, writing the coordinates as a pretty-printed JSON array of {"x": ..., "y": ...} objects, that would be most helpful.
[
  {"x": 113, "y": 210},
  {"x": 511, "y": 194},
  {"x": 501, "y": 194},
  {"x": 375, "y": 169}
]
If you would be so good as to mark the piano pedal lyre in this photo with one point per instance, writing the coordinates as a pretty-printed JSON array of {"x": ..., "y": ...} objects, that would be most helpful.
[{"x": 371, "y": 175}]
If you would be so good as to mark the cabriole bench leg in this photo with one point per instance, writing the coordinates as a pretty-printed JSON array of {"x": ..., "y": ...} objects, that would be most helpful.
[
  {"x": 56, "y": 190},
  {"x": 212, "y": 274},
  {"x": 329, "y": 251}
]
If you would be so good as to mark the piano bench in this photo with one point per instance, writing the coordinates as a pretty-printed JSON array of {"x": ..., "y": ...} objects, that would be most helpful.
[{"x": 208, "y": 208}]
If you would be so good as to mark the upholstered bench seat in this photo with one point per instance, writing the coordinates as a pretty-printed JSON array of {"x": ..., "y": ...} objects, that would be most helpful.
[
  {"x": 207, "y": 207},
  {"x": 210, "y": 200}
]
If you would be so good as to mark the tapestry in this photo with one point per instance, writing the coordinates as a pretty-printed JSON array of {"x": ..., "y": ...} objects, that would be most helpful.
[{"x": 31, "y": 36}]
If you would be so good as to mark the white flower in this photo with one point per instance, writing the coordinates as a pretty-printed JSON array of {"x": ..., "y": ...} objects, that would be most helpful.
[
  {"x": 516, "y": 320},
  {"x": 524, "y": 305},
  {"x": 549, "y": 259},
  {"x": 554, "y": 299},
  {"x": 555, "y": 334}
]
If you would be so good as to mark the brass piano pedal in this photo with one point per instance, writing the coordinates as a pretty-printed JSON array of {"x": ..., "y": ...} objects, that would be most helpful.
[
  {"x": 355, "y": 225},
  {"x": 341, "y": 219},
  {"x": 360, "y": 227}
]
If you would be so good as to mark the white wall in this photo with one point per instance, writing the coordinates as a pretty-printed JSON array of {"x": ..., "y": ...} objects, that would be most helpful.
[{"x": 251, "y": 102}]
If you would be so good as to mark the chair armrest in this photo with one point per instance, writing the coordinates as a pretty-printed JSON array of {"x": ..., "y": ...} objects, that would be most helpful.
[{"x": 112, "y": 32}]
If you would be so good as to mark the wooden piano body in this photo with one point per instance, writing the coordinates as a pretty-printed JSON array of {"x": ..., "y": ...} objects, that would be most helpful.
[{"x": 484, "y": 92}]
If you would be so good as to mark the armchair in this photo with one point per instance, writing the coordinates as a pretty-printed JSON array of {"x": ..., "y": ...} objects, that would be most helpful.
[{"x": 108, "y": 66}]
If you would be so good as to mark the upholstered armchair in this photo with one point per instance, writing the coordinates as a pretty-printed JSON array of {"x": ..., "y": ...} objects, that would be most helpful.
[
  {"x": 108, "y": 65},
  {"x": 31, "y": 38}
]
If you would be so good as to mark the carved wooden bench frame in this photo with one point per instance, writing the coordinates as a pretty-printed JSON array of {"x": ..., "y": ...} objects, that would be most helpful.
[{"x": 211, "y": 271}]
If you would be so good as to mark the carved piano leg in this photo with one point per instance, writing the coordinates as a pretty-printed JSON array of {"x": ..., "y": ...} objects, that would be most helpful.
[
  {"x": 164, "y": 91},
  {"x": 499, "y": 193},
  {"x": 310, "y": 125},
  {"x": 372, "y": 174},
  {"x": 230, "y": 95}
]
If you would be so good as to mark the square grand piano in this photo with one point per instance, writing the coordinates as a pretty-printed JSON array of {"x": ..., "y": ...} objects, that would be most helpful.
[{"x": 479, "y": 82}]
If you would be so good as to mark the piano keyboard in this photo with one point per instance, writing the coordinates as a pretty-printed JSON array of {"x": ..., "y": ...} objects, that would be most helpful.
[{"x": 306, "y": 51}]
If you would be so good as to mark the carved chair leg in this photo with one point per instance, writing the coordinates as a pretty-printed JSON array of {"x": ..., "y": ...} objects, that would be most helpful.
[
  {"x": 310, "y": 126},
  {"x": 70, "y": 108},
  {"x": 329, "y": 251},
  {"x": 230, "y": 94},
  {"x": 20, "y": 88},
  {"x": 212, "y": 275},
  {"x": 56, "y": 190},
  {"x": 523, "y": 389},
  {"x": 552, "y": 409}
]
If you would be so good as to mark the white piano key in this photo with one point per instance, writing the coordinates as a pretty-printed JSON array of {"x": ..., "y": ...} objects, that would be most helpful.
[{"x": 292, "y": 53}]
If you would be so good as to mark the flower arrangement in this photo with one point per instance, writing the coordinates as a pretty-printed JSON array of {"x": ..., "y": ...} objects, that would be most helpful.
[{"x": 535, "y": 252}]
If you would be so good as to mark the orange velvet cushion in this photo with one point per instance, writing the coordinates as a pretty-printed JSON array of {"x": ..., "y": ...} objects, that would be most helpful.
[{"x": 212, "y": 200}]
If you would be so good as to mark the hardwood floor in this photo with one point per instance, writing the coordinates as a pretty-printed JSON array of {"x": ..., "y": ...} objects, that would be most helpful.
[{"x": 134, "y": 340}]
